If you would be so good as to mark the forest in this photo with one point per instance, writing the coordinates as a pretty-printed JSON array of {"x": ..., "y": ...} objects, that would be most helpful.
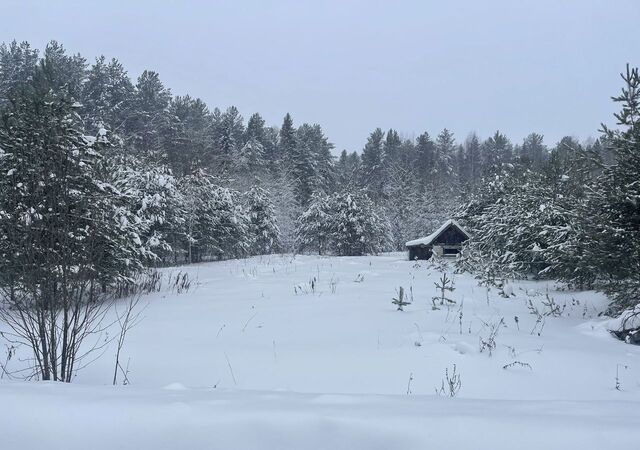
[{"x": 104, "y": 176}]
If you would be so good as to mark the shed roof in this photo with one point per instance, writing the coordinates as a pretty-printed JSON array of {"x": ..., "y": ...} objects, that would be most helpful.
[{"x": 433, "y": 236}]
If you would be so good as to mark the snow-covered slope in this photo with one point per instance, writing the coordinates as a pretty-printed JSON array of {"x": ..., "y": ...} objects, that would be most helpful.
[{"x": 309, "y": 353}]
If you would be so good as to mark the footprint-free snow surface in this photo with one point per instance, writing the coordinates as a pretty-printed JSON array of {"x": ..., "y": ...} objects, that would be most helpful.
[{"x": 304, "y": 352}]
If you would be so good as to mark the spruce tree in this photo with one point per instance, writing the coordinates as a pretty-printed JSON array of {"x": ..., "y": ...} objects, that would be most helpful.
[{"x": 615, "y": 205}]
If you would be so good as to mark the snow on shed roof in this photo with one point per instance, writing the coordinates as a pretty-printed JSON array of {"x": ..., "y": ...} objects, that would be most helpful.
[{"x": 432, "y": 237}]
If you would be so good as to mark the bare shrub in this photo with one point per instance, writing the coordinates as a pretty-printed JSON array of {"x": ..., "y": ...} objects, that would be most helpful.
[{"x": 451, "y": 384}]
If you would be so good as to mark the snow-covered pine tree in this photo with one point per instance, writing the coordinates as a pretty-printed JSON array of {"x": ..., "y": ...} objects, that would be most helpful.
[
  {"x": 615, "y": 203},
  {"x": 107, "y": 96},
  {"x": 285, "y": 207},
  {"x": 323, "y": 179},
  {"x": 372, "y": 168},
  {"x": 533, "y": 152},
  {"x": 401, "y": 200},
  {"x": 150, "y": 201},
  {"x": 189, "y": 142},
  {"x": 61, "y": 239},
  {"x": 251, "y": 158},
  {"x": 443, "y": 166},
  {"x": 69, "y": 70},
  {"x": 347, "y": 171},
  {"x": 507, "y": 218},
  {"x": 286, "y": 144},
  {"x": 229, "y": 137},
  {"x": 357, "y": 227},
  {"x": 216, "y": 225},
  {"x": 302, "y": 165},
  {"x": 391, "y": 148},
  {"x": 496, "y": 151},
  {"x": 425, "y": 159},
  {"x": 346, "y": 224},
  {"x": 149, "y": 120},
  {"x": 313, "y": 226},
  {"x": 263, "y": 225},
  {"x": 17, "y": 64}
]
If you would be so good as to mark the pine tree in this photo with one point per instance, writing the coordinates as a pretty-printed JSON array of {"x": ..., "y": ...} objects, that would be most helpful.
[
  {"x": 533, "y": 150},
  {"x": 443, "y": 158},
  {"x": 391, "y": 148},
  {"x": 216, "y": 225},
  {"x": 17, "y": 65},
  {"x": 372, "y": 166},
  {"x": 302, "y": 165},
  {"x": 347, "y": 171},
  {"x": 230, "y": 137},
  {"x": 149, "y": 121},
  {"x": 472, "y": 164},
  {"x": 107, "y": 96},
  {"x": 615, "y": 205},
  {"x": 286, "y": 144},
  {"x": 263, "y": 225},
  {"x": 425, "y": 159},
  {"x": 347, "y": 224},
  {"x": 496, "y": 151},
  {"x": 63, "y": 238},
  {"x": 68, "y": 72},
  {"x": 313, "y": 162},
  {"x": 189, "y": 144},
  {"x": 252, "y": 157}
]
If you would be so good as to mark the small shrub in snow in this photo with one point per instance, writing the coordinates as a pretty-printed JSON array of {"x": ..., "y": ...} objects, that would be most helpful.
[
  {"x": 488, "y": 343},
  {"x": 306, "y": 288},
  {"x": 451, "y": 384},
  {"x": 181, "y": 283}
]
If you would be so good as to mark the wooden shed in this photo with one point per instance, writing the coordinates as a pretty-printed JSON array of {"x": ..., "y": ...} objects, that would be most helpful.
[{"x": 445, "y": 241}]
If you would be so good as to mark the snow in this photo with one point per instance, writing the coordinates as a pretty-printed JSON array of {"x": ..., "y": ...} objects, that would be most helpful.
[
  {"x": 429, "y": 239},
  {"x": 308, "y": 352}
]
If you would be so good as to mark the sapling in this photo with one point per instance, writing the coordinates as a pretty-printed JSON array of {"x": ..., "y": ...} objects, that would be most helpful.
[
  {"x": 126, "y": 320},
  {"x": 401, "y": 300},
  {"x": 444, "y": 284}
]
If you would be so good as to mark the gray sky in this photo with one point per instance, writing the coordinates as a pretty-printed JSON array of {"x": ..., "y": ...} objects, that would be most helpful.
[{"x": 548, "y": 66}]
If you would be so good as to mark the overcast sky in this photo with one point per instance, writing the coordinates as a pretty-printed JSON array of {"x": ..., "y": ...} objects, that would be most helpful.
[{"x": 548, "y": 66}]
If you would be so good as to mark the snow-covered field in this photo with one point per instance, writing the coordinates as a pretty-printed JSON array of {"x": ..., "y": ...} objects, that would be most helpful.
[{"x": 307, "y": 352}]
